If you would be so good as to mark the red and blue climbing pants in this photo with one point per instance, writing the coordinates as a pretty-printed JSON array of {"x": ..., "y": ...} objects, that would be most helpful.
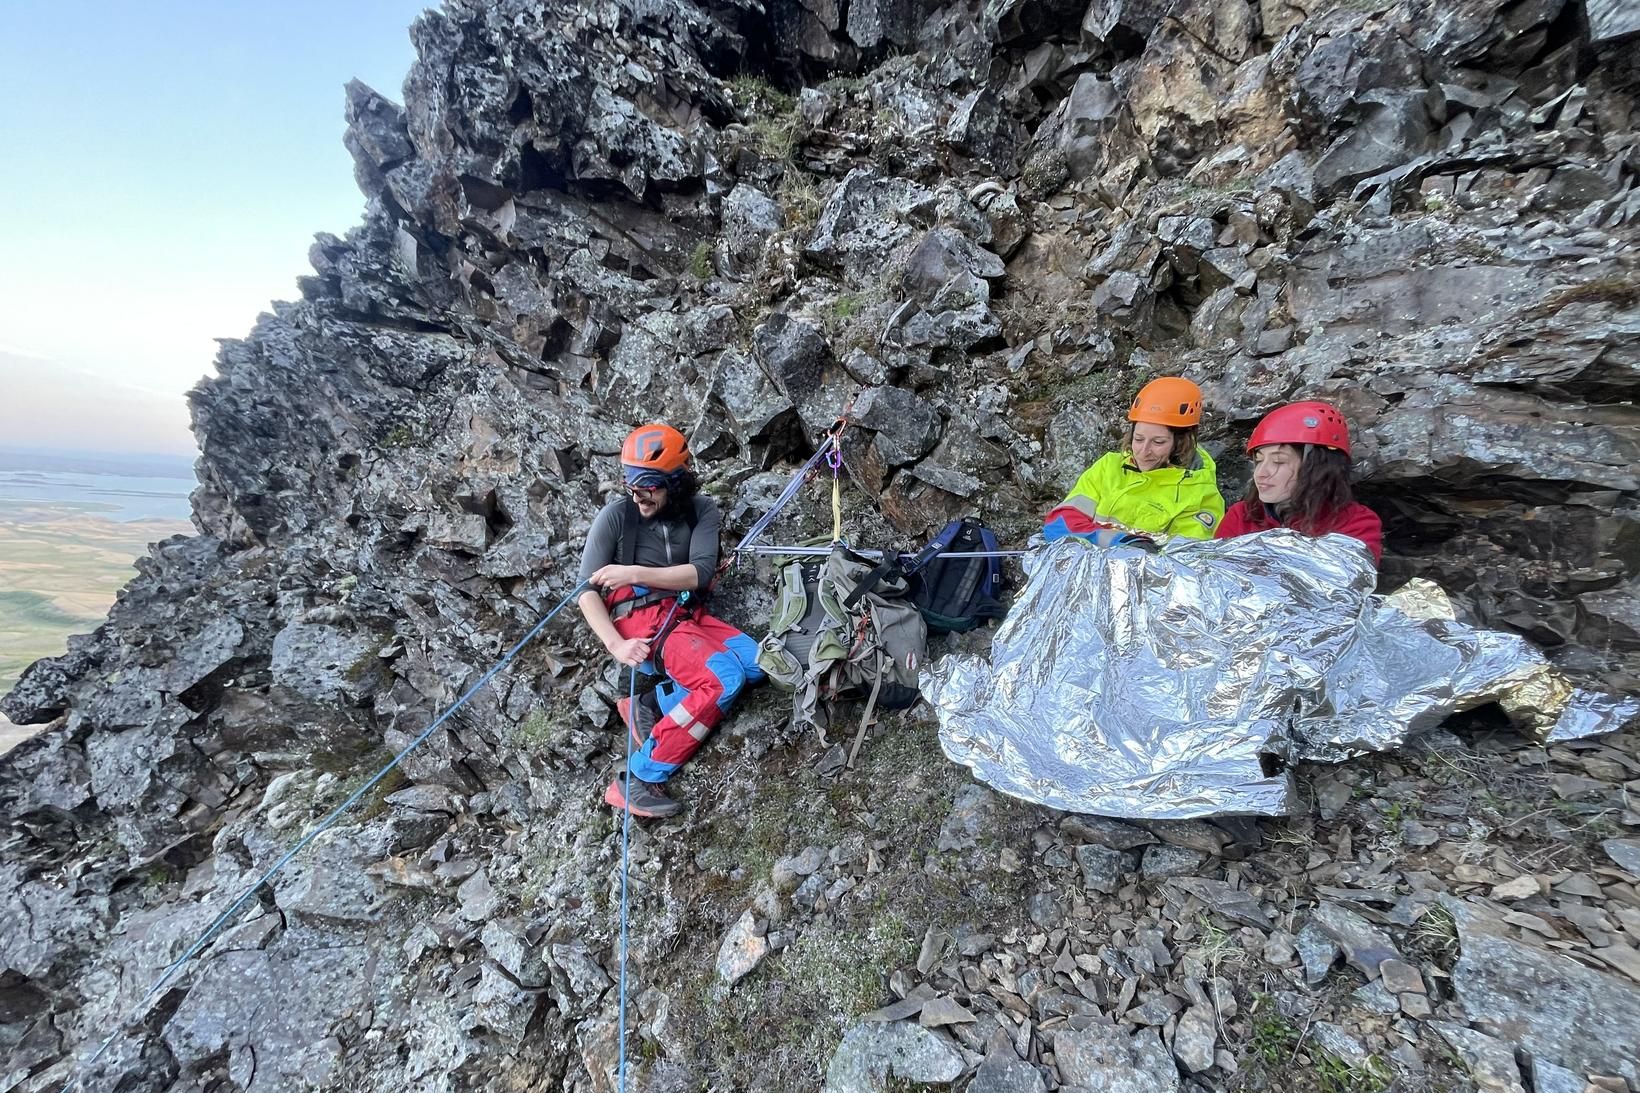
[{"x": 707, "y": 662}]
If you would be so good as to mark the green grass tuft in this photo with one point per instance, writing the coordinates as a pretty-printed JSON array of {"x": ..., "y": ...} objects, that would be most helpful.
[
  {"x": 776, "y": 137},
  {"x": 1334, "y": 1075},
  {"x": 799, "y": 196},
  {"x": 399, "y": 436},
  {"x": 1275, "y": 1040},
  {"x": 700, "y": 261},
  {"x": 757, "y": 96}
]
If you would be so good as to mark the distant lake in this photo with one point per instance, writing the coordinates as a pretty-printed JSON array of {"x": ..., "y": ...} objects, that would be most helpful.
[{"x": 122, "y": 498}]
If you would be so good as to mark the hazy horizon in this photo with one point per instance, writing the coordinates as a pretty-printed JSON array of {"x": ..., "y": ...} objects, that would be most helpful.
[
  {"x": 52, "y": 407},
  {"x": 25, "y": 459}
]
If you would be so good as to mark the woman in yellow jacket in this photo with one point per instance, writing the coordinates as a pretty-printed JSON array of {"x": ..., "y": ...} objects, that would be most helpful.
[{"x": 1162, "y": 483}]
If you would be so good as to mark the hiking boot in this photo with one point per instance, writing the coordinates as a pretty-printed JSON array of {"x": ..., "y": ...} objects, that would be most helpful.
[
  {"x": 639, "y": 727},
  {"x": 646, "y": 799}
]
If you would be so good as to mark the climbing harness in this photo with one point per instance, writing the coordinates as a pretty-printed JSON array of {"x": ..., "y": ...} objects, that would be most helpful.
[
  {"x": 668, "y": 624},
  {"x": 325, "y": 824},
  {"x": 621, "y": 610}
]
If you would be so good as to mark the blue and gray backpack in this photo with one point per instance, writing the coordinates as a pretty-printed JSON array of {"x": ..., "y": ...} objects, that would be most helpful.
[{"x": 957, "y": 594}]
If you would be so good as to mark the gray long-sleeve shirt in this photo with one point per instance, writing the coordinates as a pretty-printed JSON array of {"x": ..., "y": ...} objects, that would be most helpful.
[{"x": 660, "y": 542}]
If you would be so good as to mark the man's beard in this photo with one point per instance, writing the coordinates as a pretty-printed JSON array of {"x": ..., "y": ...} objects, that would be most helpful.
[{"x": 674, "y": 508}]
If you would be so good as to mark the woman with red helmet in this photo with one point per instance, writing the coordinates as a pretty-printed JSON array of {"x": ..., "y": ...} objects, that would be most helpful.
[
  {"x": 1160, "y": 483},
  {"x": 1301, "y": 479}
]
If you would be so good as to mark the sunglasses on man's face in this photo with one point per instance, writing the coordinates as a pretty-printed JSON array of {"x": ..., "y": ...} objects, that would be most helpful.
[{"x": 645, "y": 492}]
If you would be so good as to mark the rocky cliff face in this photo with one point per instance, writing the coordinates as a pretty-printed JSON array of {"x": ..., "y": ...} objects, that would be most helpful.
[{"x": 987, "y": 223}]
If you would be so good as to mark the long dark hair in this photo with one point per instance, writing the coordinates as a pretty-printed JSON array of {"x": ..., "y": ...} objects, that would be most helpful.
[
  {"x": 680, "y": 495},
  {"x": 1184, "y": 444},
  {"x": 1322, "y": 488}
]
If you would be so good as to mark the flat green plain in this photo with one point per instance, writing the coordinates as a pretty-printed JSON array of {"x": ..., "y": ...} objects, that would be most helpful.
[{"x": 60, "y": 567}]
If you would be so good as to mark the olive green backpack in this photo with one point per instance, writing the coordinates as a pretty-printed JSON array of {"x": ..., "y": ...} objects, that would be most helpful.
[{"x": 843, "y": 627}]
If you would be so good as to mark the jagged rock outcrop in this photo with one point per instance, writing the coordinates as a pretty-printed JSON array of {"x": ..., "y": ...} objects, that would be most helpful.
[{"x": 985, "y": 223}]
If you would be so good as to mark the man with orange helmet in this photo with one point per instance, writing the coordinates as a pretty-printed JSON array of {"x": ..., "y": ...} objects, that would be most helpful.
[
  {"x": 1161, "y": 483},
  {"x": 1301, "y": 479},
  {"x": 648, "y": 557}
]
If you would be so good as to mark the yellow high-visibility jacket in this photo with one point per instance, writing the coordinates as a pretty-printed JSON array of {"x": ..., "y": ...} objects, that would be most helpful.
[{"x": 1171, "y": 500}]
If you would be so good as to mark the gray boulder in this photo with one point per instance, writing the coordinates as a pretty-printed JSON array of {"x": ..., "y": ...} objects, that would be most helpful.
[
  {"x": 1394, "y": 126},
  {"x": 1612, "y": 19},
  {"x": 1109, "y": 1058},
  {"x": 1542, "y": 1002},
  {"x": 863, "y": 219},
  {"x": 797, "y": 358},
  {"x": 750, "y": 216},
  {"x": 872, "y": 1053}
]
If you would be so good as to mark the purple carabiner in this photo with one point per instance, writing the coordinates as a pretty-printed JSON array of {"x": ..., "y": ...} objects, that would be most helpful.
[{"x": 834, "y": 460}]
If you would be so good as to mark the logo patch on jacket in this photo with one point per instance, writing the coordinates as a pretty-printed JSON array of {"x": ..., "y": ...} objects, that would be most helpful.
[{"x": 1206, "y": 519}]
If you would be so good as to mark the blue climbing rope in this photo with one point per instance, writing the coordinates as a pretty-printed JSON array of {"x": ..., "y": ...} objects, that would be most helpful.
[
  {"x": 626, "y": 839},
  {"x": 226, "y": 916},
  {"x": 626, "y": 832}
]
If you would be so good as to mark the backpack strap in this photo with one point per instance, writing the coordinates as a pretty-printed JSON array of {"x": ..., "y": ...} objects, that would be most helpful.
[
  {"x": 871, "y": 708},
  {"x": 631, "y": 519},
  {"x": 890, "y": 566},
  {"x": 627, "y": 553},
  {"x": 938, "y": 545}
]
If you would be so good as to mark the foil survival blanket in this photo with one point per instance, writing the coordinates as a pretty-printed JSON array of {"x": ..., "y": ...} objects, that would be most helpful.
[{"x": 1183, "y": 684}]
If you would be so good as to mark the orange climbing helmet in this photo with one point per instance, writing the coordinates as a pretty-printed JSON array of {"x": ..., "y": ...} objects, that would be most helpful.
[
  {"x": 1171, "y": 400},
  {"x": 1302, "y": 423},
  {"x": 653, "y": 453}
]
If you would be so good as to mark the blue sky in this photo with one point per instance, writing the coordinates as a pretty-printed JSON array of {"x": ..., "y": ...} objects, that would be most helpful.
[{"x": 165, "y": 167}]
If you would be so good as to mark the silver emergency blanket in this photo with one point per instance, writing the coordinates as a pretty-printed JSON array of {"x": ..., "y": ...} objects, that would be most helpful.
[{"x": 1184, "y": 683}]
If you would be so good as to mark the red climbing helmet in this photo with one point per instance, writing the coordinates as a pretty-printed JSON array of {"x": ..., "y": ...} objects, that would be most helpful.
[{"x": 1302, "y": 423}]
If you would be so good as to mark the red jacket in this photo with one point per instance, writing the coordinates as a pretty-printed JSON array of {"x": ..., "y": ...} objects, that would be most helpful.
[{"x": 1355, "y": 520}]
